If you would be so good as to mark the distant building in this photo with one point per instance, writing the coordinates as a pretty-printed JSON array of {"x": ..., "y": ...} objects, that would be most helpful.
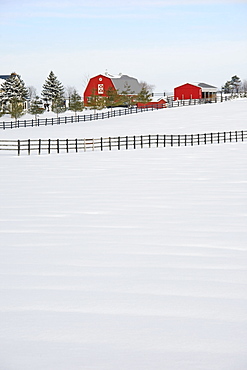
[
  {"x": 195, "y": 91},
  {"x": 99, "y": 85},
  {"x": 4, "y": 77},
  {"x": 155, "y": 103}
]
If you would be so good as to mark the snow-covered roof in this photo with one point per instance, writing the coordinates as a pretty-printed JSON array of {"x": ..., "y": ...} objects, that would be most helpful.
[
  {"x": 120, "y": 83},
  {"x": 156, "y": 99}
]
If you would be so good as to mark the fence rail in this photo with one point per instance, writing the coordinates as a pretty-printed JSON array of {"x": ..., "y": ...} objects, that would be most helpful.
[
  {"x": 103, "y": 115},
  {"x": 48, "y": 146}
]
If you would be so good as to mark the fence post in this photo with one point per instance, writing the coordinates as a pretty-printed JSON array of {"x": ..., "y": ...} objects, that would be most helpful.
[
  {"x": 185, "y": 140},
  {"x": 39, "y": 146},
  {"x": 191, "y": 142},
  {"x": 126, "y": 142},
  {"x": 211, "y": 138},
  {"x": 29, "y": 146},
  {"x": 198, "y": 137},
  {"x": 141, "y": 142},
  {"x": 205, "y": 139},
  {"x": 157, "y": 141},
  {"x": 19, "y": 147},
  {"x": 164, "y": 140},
  {"x": 218, "y": 137},
  {"x": 118, "y": 142},
  {"x": 49, "y": 146},
  {"x": 67, "y": 145},
  {"x": 242, "y": 132},
  {"x": 236, "y": 133},
  {"x": 76, "y": 146},
  {"x": 134, "y": 142},
  {"x": 58, "y": 145},
  {"x": 171, "y": 140},
  {"x": 178, "y": 140}
]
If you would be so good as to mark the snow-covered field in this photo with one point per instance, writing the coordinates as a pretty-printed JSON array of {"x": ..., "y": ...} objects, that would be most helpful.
[{"x": 126, "y": 260}]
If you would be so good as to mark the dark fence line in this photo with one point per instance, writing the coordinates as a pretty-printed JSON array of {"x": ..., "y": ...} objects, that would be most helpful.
[
  {"x": 103, "y": 115},
  {"x": 49, "y": 146}
]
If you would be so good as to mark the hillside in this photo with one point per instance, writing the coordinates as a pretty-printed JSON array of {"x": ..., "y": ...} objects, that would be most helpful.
[{"x": 131, "y": 260}]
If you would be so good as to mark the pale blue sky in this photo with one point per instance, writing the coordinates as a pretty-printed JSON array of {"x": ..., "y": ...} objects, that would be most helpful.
[{"x": 165, "y": 43}]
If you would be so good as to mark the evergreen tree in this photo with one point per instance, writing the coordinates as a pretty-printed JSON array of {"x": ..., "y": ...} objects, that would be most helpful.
[
  {"x": 58, "y": 105},
  {"x": 52, "y": 89},
  {"x": 127, "y": 95},
  {"x": 113, "y": 99},
  {"x": 144, "y": 96},
  {"x": 95, "y": 101},
  {"x": 36, "y": 107},
  {"x": 15, "y": 108},
  {"x": 75, "y": 104},
  {"x": 13, "y": 87},
  {"x": 235, "y": 83},
  {"x": 227, "y": 87}
]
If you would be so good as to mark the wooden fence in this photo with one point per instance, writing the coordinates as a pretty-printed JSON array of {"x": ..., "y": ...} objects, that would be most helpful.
[
  {"x": 103, "y": 115},
  {"x": 44, "y": 146}
]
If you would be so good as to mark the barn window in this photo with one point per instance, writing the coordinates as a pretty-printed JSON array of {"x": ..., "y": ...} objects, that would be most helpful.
[{"x": 100, "y": 88}]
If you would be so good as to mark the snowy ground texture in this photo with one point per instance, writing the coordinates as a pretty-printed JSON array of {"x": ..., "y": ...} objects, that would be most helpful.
[{"x": 126, "y": 260}]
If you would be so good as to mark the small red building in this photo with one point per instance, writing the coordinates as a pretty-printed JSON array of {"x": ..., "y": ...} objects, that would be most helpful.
[
  {"x": 195, "y": 91},
  {"x": 161, "y": 103},
  {"x": 99, "y": 85}
]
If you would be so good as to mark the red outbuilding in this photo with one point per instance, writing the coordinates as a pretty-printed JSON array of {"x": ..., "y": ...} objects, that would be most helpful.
[
  {"x": 195, "y": 91},
  {"x": 157, "y": 104}
]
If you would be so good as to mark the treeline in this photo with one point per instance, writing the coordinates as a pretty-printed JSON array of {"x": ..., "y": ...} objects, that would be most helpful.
[{"x": 14, "y": 96}]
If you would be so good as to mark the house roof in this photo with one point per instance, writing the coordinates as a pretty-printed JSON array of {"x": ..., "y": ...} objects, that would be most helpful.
[
  {"x": 4, "y": 77},
  {"x": 120, "y": 83}
]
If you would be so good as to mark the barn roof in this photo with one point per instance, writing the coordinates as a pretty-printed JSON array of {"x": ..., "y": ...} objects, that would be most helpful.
[
  {"x": 202, "y": 84},
  {"x": 205, "y": 87},
  {"x": 122, "y": 81}
]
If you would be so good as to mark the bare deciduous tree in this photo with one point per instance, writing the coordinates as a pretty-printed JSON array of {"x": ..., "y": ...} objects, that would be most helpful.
[
  {"x": 150, "y": 88},
  {"x": 32, "y": 92}
]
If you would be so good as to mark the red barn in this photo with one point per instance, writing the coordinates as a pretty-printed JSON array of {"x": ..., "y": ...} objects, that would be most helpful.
[
  {"x": 99, "y": 85},
  {"x": 195, "y": 91}
]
